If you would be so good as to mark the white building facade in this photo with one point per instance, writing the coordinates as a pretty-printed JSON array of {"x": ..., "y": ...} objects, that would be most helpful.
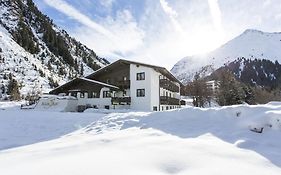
[{"x": 125, "y": 85}]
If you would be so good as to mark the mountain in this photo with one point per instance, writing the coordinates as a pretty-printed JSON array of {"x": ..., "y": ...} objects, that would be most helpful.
[
  {"x": 251, "y": 44},
  {"x": 260, "y": 72},
  {"x": 37, "y": 53}
]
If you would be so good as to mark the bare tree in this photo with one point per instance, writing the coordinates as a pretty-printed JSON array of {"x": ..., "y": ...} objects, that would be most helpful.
[{"x": 199, "y": 91}]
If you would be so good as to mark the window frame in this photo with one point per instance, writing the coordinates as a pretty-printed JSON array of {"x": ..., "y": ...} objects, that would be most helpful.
[
  {"x": 140, "y": 76},
  {"x": 106, "y": 94},
  {"x": 140, "y": 93},
  {"x": 155, "y": 108}
]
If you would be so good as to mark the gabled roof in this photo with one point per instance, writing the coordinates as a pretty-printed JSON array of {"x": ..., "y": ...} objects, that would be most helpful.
[
  {"x": 101, "y": 83},
  {"x": 87, "y": 80},
  {"x": 160, "y": 69}
]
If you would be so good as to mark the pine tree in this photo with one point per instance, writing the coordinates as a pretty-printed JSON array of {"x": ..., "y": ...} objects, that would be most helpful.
[
  {"x": 2, "y": 89},
  {"x": 52, "y": 83},
  {"x": 250, "y": 96},
  {"x": 81, "y": 69},
  {"x": 13, "y": 90},
  {"x": 230, "y": 92},
  {"x": 24, "y": 36}
]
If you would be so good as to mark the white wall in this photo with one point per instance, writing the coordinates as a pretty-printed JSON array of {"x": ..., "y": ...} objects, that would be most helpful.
[
  {"x": 98, "y": 102},
  {"x": 56, "y": 103},
  {"x": 155, "y": 91},
  {"x": 150, "y": 84}
]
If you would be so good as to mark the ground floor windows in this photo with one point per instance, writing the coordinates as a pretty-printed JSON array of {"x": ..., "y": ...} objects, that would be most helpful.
[
  {"x": 93, "y": 95},
  {"x": 168, "y": 107},
  {"x": 106, "y": 94},
  {"x": 154, "y": 108},
  {"x": 140, "y": 92}
]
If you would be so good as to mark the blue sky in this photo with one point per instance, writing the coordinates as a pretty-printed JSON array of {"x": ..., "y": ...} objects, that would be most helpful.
[{"x": 160, "y": 31}]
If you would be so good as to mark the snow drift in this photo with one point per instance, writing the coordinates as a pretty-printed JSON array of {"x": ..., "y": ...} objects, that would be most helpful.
[{"x": 185, "y": 141}]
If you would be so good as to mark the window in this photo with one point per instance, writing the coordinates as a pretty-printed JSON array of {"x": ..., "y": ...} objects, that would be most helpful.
[
  {"x": 106, "y": 107},
  {"x": 162, "y": 108},
  {"x": 106, "y": 94},
  {"x": 141, "y": 76},
  {"x": 140, "y": 92},
  {"x": 167, "y": 107},
  {"x": 73, "y": 94},
  {"x": 93, "y": 95},
  {"x": 154, "y": 108}
]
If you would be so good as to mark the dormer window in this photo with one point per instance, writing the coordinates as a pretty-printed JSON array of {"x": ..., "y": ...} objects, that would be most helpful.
[{"x": 141, "y": 76}]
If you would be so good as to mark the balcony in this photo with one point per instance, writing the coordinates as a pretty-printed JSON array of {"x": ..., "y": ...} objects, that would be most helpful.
[
  {"x": 167, "y": 84},
  {"x": 124, "y": 84},
  {"x": 164, "y": 100},
  {"x": 120, "y": 100}
]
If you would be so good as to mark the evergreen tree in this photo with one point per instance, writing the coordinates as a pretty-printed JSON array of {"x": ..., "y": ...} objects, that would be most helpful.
[
  {"x": 250, "y": 96},
  {"x": 24, "y": 37},
  {"x": 2, "y": 89},
  {"x": 52, "y": 83},
  {"x": 81, "y": 69},
  {"x": 230, "y": 92},
  {"x": 13, "y": 90}
]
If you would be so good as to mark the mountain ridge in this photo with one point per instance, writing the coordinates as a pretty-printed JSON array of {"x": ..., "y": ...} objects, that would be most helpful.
[{"x": 251, "y": 44}]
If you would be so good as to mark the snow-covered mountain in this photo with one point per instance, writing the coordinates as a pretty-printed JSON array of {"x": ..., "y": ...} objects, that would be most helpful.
[
  {"x": 251, "y": 44},
  {"x": 36, "y": 52}
]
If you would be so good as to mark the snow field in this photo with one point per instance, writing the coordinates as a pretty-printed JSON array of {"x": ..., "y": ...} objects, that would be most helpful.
[{"x": 209, "y": 141}]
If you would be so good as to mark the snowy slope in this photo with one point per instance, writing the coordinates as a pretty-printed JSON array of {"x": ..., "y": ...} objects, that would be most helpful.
[
  {"x": 51, "y": 61},
  {"x": 22, "y": 65},
  {"x": 186, "y": 141},
  {"x": 251, "y": 44}
]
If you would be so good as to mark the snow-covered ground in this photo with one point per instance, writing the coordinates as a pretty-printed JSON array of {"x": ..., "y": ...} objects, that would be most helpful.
[
  {"x": 185, "y": 141},
  {"x": 23, "y": 127}
]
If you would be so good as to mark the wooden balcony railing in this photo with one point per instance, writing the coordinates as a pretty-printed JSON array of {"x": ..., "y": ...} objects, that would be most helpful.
[
  {"x": 167, "y": 84},
  {"x": 120, "y": 100},
  {"x": 164, "y": 100}
]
